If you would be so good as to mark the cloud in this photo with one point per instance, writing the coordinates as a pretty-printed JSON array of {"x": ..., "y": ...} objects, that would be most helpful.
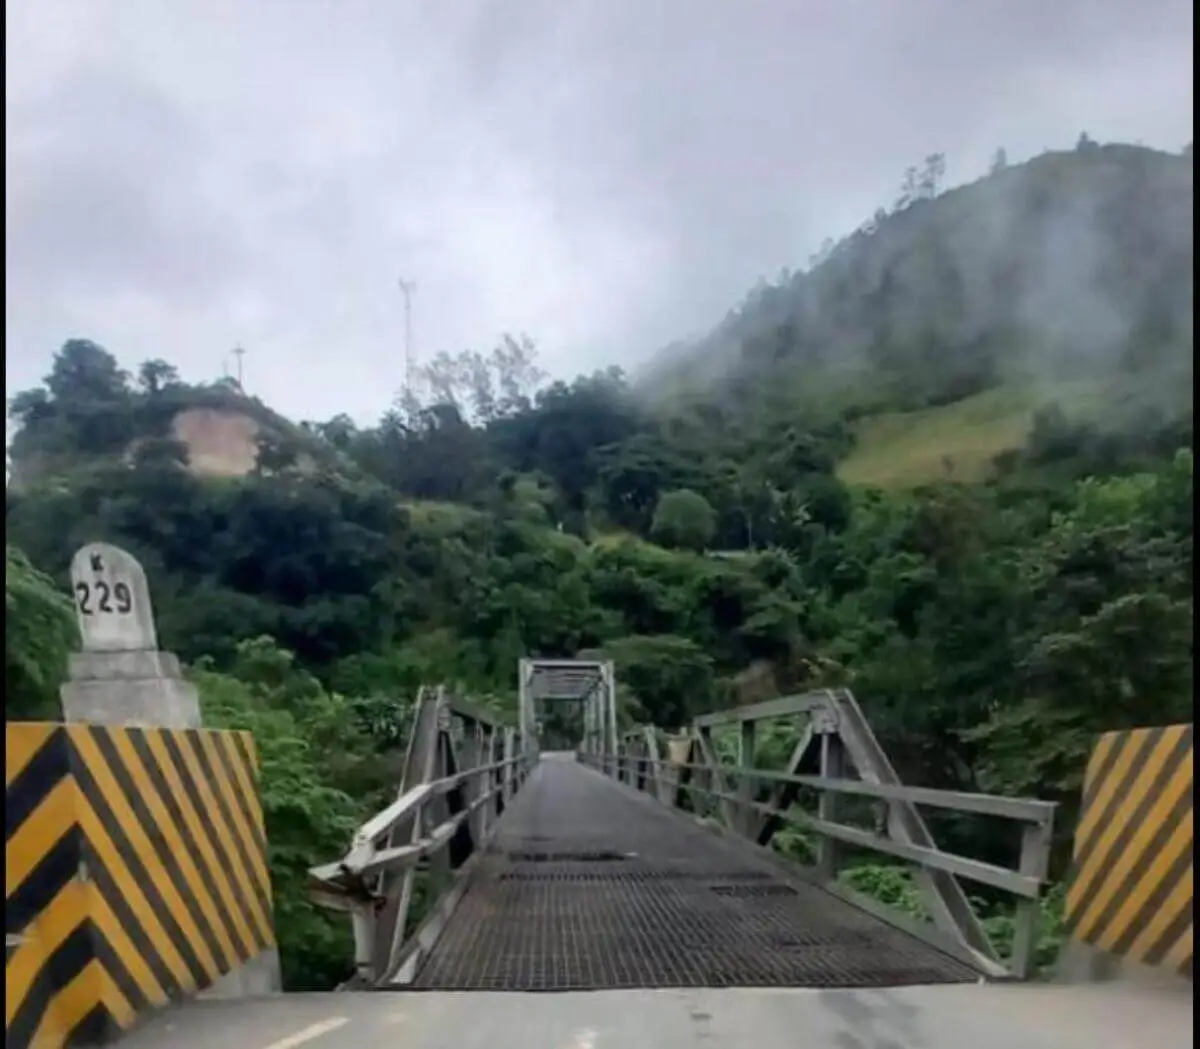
[{"x": 607, "y": 175}]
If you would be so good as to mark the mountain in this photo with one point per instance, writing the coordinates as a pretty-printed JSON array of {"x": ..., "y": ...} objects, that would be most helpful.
[
  {"x": 1065, "y": 281},
  {"x": 1076, "y": 264}
]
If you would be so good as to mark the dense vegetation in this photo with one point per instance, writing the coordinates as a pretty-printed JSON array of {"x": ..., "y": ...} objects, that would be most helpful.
[{"x": 708, "y": 541}]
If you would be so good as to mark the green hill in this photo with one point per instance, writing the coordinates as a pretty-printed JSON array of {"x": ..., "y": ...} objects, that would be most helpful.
[
  {"x": 961, "y": 441},
  {"x": 89, "y": 414},
  {"x": 918, "y": 348},
  {"x": 1076, "y": 264},
  {"x": 958, "y": 441}
]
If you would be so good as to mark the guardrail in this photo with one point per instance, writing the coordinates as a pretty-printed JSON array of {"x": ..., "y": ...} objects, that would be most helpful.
[
  {"x": 833, "y": 734},
  {"x": 462, "y": 768}
]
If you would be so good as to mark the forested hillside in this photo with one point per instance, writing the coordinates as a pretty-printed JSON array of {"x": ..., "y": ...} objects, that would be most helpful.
[
  {"x": 1076, "y": 262},
  {"x": 718, "y": 541}
]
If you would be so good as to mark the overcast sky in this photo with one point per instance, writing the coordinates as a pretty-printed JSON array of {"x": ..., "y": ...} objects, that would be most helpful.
[{"x": 606, "y": 175}]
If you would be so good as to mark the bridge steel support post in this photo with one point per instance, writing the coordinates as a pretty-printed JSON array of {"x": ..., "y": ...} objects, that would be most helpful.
[
  {"x": 526, "y": 714},
  {"x": 834, "y": 765},
  {"x": 747, "y": 816},
  {"x": 717, "y": 784},
  {"x": 506, "y": 773},
  {"x": 597, "y": 732},
  {"x": 609, "y": 688},
  {"x": 596, "y": 723},
  {"x": 586, "y": 714}
]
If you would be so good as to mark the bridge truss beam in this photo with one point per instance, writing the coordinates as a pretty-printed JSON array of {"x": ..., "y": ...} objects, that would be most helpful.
[{"x": 591, "y": 682}]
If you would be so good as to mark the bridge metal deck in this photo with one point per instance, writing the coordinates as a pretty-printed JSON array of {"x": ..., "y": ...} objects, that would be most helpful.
[{"x": 590, "y": 886}]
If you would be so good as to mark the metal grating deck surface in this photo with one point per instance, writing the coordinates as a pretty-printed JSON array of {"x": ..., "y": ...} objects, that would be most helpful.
[{"x": 588, "y": 886}]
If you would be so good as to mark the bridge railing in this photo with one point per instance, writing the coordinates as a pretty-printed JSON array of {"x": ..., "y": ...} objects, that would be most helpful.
[
  {"x": 832, "y": 734},
  {"x": 462, "y": 768}
]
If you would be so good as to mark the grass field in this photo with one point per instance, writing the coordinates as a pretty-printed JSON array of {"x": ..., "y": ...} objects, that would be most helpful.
[{"x": 954, "y": 441}]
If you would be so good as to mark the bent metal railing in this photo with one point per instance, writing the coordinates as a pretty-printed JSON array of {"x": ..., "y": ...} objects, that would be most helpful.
[
  {"x": 462, "y": 768},
  {"x": 832, "y": 733}
]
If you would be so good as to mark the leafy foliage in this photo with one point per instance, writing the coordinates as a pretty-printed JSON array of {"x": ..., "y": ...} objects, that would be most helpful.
[
  {"x": 39, "y": 632},
  {"x": 319, "y": 770},
  {"x": 894, "y": 886},
  {"x": 683, "y": 519},
  {"x": 992, "y": 622}
]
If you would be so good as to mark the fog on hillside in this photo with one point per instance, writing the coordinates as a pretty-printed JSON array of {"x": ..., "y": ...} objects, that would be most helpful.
[{"x": 1076, "y": 264}]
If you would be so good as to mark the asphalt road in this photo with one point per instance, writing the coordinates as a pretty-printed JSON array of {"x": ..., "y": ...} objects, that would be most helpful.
[{"x": 944, "y": 1017}]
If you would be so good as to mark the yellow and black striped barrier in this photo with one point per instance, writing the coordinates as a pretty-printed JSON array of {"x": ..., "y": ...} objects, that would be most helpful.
[
  {"x": 135, "y": 874},
  {"x": 1131, "y": 886}
]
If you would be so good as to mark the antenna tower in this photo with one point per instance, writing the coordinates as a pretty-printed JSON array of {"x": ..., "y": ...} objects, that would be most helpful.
[
  {"x": 239, "y": 353},
  {"x": 408, "y": 289}
]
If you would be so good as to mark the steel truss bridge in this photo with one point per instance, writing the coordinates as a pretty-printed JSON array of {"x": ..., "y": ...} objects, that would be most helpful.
[{"x": 645, "y": 859}]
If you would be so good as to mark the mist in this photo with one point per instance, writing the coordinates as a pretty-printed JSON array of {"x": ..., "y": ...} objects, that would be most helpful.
[
  {"x": 605, "y": 176},
  {"x": 1075, "y": 265}
]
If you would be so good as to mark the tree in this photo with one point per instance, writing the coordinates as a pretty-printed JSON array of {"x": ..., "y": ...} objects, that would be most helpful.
[
  {"x": 30, "y": 407},
  {"x": 909, "y": 189},
  {"x": 561, "y": 436},
  {"x": 156, "y": 375},
  {"x": 518, "y": 376},
  {"x": 922, "y": 183},
  {"x": 999, "y": 160},
  {"x": 481, "y": 387},
  {"x": 306, "y": 791},
  {"x": 933, "y": 173},
  {"x": 85, "y": 374},
  {"x": 160, "y": 452},
  {"x": 340, "y": 431},
  {"x": 684, "y": 519},
  {"x": 670, "y": 677},
  {"x": 275, "y": 453}
]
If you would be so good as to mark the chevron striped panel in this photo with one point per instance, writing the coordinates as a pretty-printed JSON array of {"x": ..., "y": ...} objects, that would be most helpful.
[{"x": 135, "y": 863}]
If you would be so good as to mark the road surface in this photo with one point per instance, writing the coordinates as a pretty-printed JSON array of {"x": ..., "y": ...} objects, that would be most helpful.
[{"x": 944, "y": 1017}]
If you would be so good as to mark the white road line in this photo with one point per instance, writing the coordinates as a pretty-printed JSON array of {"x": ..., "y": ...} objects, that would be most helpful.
[{"x": 309, "y": 1033}]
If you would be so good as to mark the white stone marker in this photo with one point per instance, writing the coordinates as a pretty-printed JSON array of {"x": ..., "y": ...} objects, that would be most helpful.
[
  {"x": 112, "y": 601},
  {"x": 120, "y": 677}
]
